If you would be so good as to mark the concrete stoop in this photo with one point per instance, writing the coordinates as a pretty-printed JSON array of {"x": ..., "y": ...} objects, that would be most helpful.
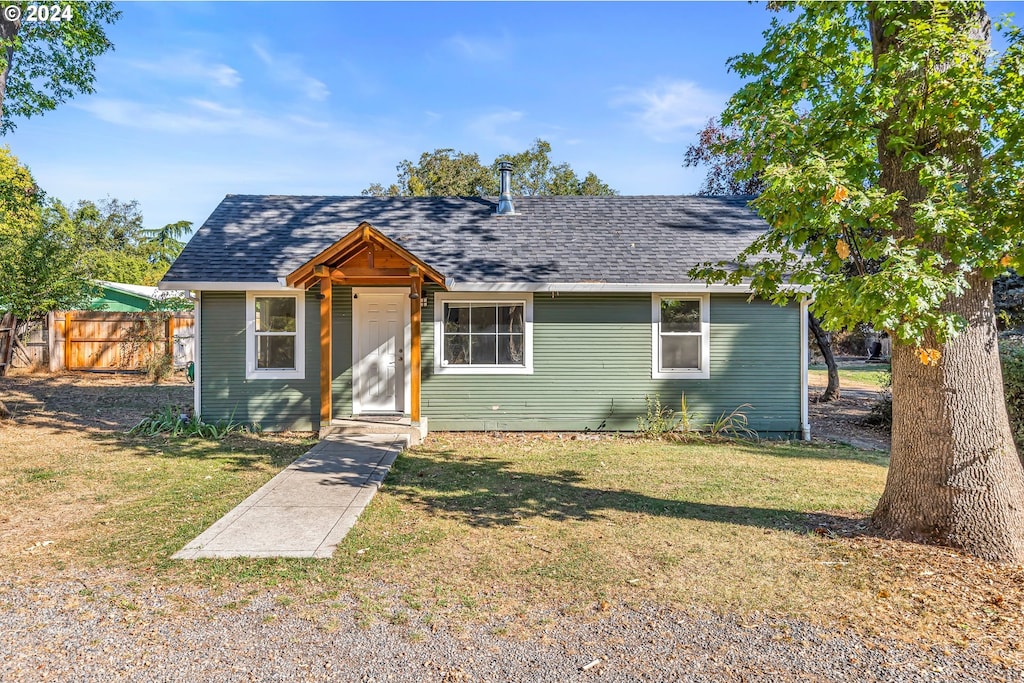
[{"x": 365, "y": 424}]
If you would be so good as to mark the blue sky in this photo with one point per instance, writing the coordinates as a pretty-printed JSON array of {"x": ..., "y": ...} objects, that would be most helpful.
[{"x": 200, "y": 100}]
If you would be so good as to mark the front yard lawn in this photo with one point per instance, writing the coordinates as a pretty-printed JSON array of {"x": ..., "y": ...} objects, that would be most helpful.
[{"x": 515, "y": 528}]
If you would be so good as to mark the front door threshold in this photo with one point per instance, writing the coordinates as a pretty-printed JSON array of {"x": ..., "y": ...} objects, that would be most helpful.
[{"x": 376, "y": 424}]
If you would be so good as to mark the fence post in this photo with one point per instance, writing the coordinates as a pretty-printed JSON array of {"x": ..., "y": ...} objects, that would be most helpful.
[
  {"x": 67, "y": 339},
  {"x": 169, "y": 349}
]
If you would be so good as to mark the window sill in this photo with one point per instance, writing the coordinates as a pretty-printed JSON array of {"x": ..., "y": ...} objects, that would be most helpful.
[
  {"x": 681, "y": 374},
  {"x": 275, "y": 374},
  {"x": 481, "y": 370}
]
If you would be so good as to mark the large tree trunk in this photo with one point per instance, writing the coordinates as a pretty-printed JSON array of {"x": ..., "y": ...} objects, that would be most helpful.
[
  {"x": 954, "y": 476},
  {"x": 824, "y": 340}
]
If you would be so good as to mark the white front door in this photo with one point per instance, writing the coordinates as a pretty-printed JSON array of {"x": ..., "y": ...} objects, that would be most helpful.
[{"x": 379, "y": 323}]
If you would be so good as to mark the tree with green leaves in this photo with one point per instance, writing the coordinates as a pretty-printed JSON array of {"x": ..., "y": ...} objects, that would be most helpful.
[
  {"x": 534, "y": 174},
  {"x": 448, "y": 173},
  {"x": 164, "y": 244},
  {"x": 441, "y": 173},
  {"x": 46, "y": 63},
  {"x": 40, "y": 266},
  {"x": 717, "y": 150},
  {"x": 890, "y": 140},
  {"x": 117, "y": 245}
]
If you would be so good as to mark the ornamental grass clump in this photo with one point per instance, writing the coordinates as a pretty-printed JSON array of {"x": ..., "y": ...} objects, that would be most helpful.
[
  {"x": 179, "y": 422},
  {"x": 661, "y": 422}
]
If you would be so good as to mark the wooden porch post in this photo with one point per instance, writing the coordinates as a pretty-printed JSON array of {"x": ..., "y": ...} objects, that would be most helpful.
[
  {"x": 416, "y": 353},
  {"x": 326, "y": 372}
]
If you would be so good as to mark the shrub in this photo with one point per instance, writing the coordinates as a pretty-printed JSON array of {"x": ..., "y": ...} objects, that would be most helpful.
[
  {"x": 1011, "y": 356},
  {"x": 659, "y": 420},
  {"x": 881, "y": 410}
]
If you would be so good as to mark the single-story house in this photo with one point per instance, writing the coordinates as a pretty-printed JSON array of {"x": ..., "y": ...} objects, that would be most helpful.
[{"x": 538, "y": 313}]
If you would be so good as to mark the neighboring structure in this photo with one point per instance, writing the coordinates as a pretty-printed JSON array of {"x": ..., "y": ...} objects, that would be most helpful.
[
  {"x": 556, "y": 313},
  {"x": 125, "y": 298},
  {"x": 121, "y": 326}
]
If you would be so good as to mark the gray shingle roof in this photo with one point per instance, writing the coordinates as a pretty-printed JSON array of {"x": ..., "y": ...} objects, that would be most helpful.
[{"x": 650, "y": 239}]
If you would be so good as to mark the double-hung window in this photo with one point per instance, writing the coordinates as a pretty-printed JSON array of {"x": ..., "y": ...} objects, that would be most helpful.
[
  {"x": 680, "y": 336},
  {"x": 274, "y": 338},
  {"x": 483, "y": 333}
]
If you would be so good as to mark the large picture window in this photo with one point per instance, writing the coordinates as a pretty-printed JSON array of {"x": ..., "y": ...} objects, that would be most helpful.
[
  {"x": 680, "y": 336},
  {"x": 274, "y": 339},
  {"x": 480, "y": 334}
]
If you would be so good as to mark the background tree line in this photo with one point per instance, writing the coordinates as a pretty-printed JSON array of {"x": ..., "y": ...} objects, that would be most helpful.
[
  {"x": 448, "y": 173},
  {"x": 50, "y": 253}
]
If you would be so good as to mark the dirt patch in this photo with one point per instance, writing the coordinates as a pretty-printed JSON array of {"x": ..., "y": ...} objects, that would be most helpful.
[
  {"x": 88, "y": 400},
  {"x": 844, "y": 420}
]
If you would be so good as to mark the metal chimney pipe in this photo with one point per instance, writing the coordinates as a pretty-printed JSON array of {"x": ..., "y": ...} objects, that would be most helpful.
[{"x": 505, "y": 207}]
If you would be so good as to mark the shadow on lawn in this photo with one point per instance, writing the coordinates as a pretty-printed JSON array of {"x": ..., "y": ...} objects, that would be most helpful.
[
  {"x": 487, "y": 492},
  {"x": 103, "y": 406}
]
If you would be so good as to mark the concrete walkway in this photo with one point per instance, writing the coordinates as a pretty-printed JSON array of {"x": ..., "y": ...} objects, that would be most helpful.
[{"x": 308, "y": 507}]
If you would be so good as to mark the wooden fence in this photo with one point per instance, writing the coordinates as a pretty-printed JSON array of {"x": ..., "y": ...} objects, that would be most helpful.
[{"x": 105, "y": 340}]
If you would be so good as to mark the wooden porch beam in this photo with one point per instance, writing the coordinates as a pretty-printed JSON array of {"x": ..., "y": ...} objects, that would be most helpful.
[
  {"x": 360, "y": 271},
  {"x": 326, "y": 332},
  {"x": 371, "y": 280}
]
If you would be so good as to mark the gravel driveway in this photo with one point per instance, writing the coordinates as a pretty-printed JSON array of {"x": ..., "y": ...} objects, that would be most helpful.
[{"x": 60, "y": 630}]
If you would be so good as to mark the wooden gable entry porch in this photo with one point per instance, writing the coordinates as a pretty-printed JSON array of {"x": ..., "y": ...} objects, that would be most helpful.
[{"x": 366, "y": 257}]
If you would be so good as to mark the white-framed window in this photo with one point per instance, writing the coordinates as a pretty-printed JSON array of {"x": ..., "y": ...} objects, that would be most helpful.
[
  {"x": 680, "y": 336},
  {"x": 483, "y": 333},
  {"x": 275, "y": 335}
]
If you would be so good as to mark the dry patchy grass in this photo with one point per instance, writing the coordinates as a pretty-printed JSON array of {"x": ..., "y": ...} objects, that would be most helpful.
[
  {"x": 77, "y": 490},
  {"x": 514, "y": 527},
  {"x": 855, "y": 375}
]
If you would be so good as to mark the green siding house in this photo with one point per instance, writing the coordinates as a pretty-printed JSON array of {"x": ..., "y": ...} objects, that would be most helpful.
[{"x": 542, "y": 313}]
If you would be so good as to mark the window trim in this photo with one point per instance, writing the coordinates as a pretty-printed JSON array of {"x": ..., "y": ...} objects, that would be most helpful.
[
  {"x": 704, "y": 371},
  {"x": 496, "y": 298},
  {"x": 251, "y": 371}
]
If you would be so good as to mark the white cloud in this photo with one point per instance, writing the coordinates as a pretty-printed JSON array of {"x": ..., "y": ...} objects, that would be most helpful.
[
  {"x": 191, "y": 66},
  {"x": 197, "y": 116},
  {"x": 286, "y": 70},
  {"x": 494, "y": 127},
  {"x": 478, "y": 49},
  {"x": 672, "y": 110},
  {"x": 214, "y": 107}
]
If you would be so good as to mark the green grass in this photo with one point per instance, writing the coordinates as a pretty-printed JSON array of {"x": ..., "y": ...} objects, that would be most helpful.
[
  {"x": 110, "y": 499},
  {"x": 870, "y": 375},
  {"x": 470, "y": 527},
  {"x": 477, "y": 526}
]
